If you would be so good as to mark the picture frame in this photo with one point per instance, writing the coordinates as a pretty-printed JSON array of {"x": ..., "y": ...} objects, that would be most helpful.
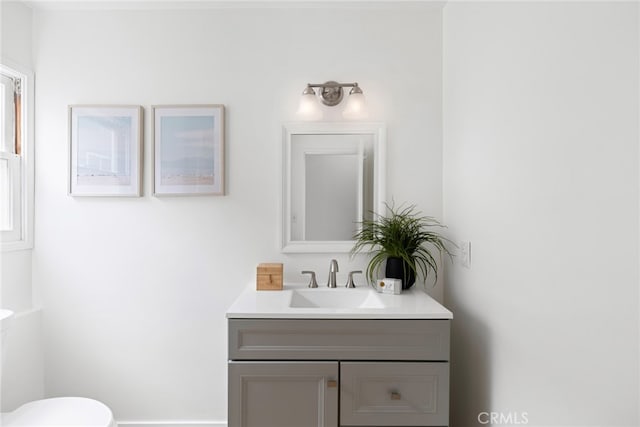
[
  {"x": 188, "y": 145},
  {"x": 105, "y": 150}
]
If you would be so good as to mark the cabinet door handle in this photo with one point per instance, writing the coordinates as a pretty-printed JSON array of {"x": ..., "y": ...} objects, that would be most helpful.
[
  {"x": 395, "y": 395},
  {"x": 332, "y": 383}
]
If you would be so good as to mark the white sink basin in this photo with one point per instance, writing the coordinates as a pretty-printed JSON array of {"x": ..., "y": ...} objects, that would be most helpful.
[{"x": 362, "y": 298}]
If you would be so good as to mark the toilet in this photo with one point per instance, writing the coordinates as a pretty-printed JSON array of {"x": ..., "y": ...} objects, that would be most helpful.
[
  {"x": 57, "y": 411},
  {"x": 60, "y": 412}
]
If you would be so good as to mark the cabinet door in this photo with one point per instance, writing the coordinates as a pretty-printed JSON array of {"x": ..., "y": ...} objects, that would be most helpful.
[
  {"x": 283, "y": 394},
  {"x": 394, "y": 394}
]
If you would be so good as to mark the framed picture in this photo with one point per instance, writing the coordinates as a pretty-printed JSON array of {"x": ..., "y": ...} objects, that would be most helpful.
[
  {"x": 105, "y": 150},
  {"x": 188, "y": 146}
]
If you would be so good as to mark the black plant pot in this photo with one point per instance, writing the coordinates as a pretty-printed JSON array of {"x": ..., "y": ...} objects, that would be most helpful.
[{"x": 397, "y": 268}]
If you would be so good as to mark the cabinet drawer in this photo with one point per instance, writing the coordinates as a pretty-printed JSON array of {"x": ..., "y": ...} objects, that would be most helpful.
[
  {"x": 338, "y": 339},
  {"x": 394, "y": 394}
]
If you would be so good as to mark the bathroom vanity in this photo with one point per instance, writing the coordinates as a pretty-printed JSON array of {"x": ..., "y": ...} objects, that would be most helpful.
[{"x": 338, "y": 357}]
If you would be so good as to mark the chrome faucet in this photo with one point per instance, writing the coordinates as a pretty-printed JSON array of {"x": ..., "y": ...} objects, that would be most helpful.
[
  {"x": 312, "y": 281},
  {"x": 333, "y": 269},
  {"x": 350, "y": 282}
]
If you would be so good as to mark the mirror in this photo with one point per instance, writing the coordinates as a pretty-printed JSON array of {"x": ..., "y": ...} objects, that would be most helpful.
[{"x": 333, "y": 178}]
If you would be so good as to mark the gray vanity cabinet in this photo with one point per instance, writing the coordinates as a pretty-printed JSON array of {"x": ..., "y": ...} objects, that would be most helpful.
[{"x": 298, "y": 372}]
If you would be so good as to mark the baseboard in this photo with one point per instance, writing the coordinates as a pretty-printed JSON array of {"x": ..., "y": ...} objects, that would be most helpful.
[{"x": 173, "y": 423}]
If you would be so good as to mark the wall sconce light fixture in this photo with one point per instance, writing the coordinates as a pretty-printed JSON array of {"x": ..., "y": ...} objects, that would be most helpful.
[{"x": 331, "y": 94}]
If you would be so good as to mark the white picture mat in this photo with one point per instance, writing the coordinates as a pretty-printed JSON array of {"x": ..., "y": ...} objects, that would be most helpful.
[
  {"x": 188, "y": 150},
  {"x": 105, "y": 151}
]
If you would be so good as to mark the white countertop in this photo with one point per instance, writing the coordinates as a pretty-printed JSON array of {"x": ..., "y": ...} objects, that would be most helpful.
[{"x": 411, "y": 304}]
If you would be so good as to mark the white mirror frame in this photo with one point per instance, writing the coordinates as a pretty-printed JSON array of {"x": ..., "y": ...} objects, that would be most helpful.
[{"x": 377, "y": 130}]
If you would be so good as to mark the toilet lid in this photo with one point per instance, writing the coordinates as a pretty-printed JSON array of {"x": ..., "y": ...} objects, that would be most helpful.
[{"x": 61, "y": 411}]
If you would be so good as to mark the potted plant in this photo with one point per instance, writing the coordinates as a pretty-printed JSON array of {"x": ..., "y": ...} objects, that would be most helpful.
[{"x": 404, "y": 239}]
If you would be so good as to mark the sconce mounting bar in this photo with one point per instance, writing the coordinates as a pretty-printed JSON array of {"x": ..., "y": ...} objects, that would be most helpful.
[{"x": 331, "y": 92}]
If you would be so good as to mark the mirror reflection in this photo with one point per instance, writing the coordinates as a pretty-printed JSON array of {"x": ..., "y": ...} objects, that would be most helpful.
[{"x": 332, "y": 183}]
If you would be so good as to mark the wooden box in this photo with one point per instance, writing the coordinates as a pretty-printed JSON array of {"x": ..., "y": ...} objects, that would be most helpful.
[{"x": 269, "y": 277}]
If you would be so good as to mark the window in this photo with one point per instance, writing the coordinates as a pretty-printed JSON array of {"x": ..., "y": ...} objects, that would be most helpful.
[{"x": 16, "y": 159}]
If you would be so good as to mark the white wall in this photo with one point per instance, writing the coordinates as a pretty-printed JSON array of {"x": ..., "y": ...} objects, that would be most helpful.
[
  {"x": 23, "y": 368},
  {"x": 22, "y": 374},
  {"x": 541, "y": 175},
  {"x": 135, "y": 290},
  {"x": 15, "y": 33}
]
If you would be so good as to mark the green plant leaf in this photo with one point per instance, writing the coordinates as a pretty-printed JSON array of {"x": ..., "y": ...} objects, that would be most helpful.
[{"x": 403, "y": 233}]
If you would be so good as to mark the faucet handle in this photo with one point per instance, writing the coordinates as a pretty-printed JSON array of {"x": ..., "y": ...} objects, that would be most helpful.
[
  {"x": 350, "y": 283},
  {"x": 312, "y": 281}
]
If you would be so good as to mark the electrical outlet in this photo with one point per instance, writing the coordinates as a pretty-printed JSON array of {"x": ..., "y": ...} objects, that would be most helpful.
[{"x": 465, "y": 253}]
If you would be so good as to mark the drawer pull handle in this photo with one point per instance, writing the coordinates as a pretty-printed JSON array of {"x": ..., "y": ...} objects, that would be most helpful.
[
  {"x": 395, "y": 395},
  {"x": 332, "y": 383}
]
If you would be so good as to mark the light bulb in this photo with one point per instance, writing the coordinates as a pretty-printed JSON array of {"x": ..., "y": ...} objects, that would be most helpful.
[
  {"x": 309, "y": 108},
  {"x": 356, "y": 107}
]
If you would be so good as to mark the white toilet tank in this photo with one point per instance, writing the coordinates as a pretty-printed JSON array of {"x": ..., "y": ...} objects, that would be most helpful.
[{"x": 5, "y": 322}]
